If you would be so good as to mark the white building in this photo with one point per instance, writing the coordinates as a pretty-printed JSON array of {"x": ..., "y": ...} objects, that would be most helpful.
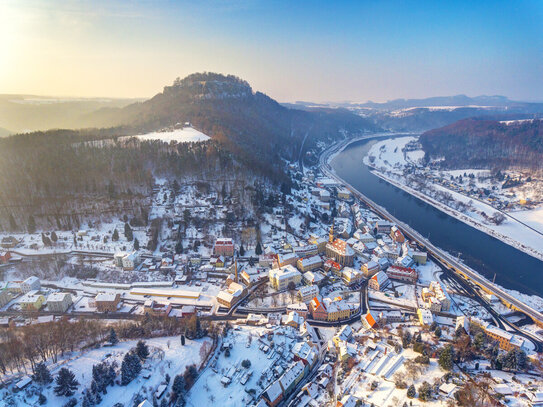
[
  {"x": 30, "y": 284},
  {"x": 59, "y": 302}
]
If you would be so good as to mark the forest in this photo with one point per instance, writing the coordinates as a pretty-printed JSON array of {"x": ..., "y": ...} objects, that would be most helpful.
[
  {"x": 478, "y": 143},
  {"x": 58, "y": 177}
]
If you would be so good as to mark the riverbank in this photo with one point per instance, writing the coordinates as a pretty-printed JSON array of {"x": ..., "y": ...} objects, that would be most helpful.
[
  {"x": 498, "y": 264},
  {"x": 538, "y": 254},
  {"x": 389, "y": 159}
]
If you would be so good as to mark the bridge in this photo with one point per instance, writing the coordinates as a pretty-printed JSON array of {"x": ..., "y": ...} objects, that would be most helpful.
[{"x": 448, "y": 260}]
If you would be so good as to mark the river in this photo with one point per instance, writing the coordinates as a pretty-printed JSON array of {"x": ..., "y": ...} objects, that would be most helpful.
[{"x": 513, "y": 268}]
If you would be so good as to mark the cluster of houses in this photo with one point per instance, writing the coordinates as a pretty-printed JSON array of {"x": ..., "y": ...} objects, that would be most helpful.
[
  {"x": 505, "y": 340},
  {"x": 31, "y": 297}
]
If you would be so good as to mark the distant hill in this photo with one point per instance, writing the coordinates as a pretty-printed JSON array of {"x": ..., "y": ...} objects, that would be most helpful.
[
  {"x": 480, "y": 143},
  {"x": 248, "y": 123},
  {"x": 419, "y": 115},
  {"x": 4, "y": 132},
  {"x": 24, "y": 113}
]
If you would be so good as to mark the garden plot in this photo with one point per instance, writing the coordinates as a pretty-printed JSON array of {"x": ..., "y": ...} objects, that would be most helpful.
[{"x": 228, "y": 381}]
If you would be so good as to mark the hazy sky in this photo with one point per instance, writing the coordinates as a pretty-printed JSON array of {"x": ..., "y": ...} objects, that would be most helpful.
[{"x": 291, "y": 50}]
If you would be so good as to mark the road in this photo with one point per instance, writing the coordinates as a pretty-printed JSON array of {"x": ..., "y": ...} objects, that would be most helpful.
[{"x": 443, "y": 258}]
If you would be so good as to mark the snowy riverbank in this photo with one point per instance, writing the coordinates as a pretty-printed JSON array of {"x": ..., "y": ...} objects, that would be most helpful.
[{"x": 388, "y": 160}]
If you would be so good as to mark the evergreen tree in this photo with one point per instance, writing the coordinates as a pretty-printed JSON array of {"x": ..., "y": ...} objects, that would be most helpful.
[
  {"x": 178, "y": 386},
  {"x": 136, "y": 244},
  {"x": 179, "y": 247},
  {"x": 406, "y": 339},
  {"x": 31, "y": 224},
  {"x": 115, "y": 236},
  {"x": 425, "y": 391},
  {"x": 65, "y": 383},
  {"x": 130, "y": 367},
  {"x": 163, "y": 403},
  {"x": 258, "y": 249},
  {"x": 142, "y": 350},
  {"x": 479, "y": 340},
  {"x": 95, "y": 391},
  {"x": 446, "y": 357},
  {"x": 437, "y": 332},
  {"x": 182, "y": 340},
  {"x": 128, "y": 232},
  {"x": 41, "y": 374},
  {"x": 54, "y": 236},
  {"x": 42, "y": 399},
  {"x": 88, "y": 400},
  {"x": 112, "y": 337},
  {"x": 242, "y": 250},
  {"x": 45, "y": 240},
  {"x": 71, "y": 403},
  {"x": 411, "y": 392}
]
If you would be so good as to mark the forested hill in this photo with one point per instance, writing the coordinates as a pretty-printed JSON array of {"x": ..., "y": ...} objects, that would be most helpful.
[
  {"x": 252, "y": 125},
  {"x": 478, "y": 143}
]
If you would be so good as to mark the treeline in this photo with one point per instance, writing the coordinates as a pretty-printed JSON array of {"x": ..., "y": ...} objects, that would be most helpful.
[
  {"x": 476, "y": 143},
  {"x": 61, "y": 177},
  {"x": 23, "y": 348}
]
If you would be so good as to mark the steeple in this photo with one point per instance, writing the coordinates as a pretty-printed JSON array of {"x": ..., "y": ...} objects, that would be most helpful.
[{"x": 331, "y": 234}]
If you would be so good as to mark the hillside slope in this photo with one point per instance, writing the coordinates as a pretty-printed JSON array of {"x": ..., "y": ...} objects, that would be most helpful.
[
  {"x": 250, "y": 124},
  {"x": 479, "y": 143}
]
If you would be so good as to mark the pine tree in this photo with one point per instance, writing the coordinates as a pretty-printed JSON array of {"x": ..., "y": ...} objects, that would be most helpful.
[
  {"x": 45, "y": 240},
  {"x": 54, "y": 236},
  {"x": 179, "y": 247},
  {"x": 136, "y": 244},
  {"x": 42, "y": 399},
  {"x": 242, "y": 250},
  {"x": 178, "y": 386},
  {"x": 182, "y": 340},
  {"x": 113, "y": 337},
  {"x": 130, "y": 368},
  {"x": 41, "y": 374},
  {"x": 142, "y": 350},
  {"x": 115, "y": 236},
  {"x": 437, "y": 332},
  {"x": 95, "y": 391},
  {"x": 411, "y": 392},
  {"x": 258, "y": 249},
  {"x": 128, "y": 232},
  {"x": 66, "y": 383},
  {"x": 88, "y": 400},
  {"x": 446, "y": 358}
]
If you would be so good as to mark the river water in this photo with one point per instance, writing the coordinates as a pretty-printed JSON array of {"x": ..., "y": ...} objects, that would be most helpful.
[{"x": 513, "y": 268}]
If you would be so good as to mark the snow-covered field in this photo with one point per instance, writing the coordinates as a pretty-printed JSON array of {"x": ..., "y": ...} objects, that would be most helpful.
[
  {"x": 167, "y": 356},
  {"x": 184, "y": 135}
]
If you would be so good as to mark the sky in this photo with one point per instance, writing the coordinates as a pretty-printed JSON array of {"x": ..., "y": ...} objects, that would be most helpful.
[{"x": 291, "y": 50}]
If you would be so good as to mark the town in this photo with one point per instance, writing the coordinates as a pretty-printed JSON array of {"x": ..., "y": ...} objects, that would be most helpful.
[{"x": 320, "y": 302}]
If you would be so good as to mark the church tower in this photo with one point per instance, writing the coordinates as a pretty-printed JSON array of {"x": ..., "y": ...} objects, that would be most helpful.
[{"x": 331, "y": 234}]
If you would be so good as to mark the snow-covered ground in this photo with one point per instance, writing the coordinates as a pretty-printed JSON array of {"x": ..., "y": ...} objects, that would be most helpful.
[
  {"x": 184, "y": 135},
  {"x": 167, "y": 356},
  {"x": 209, "y": 390}
]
